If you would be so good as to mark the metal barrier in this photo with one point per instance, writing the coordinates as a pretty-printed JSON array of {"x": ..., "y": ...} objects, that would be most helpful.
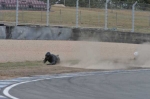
[{"x": 122, "y": 16}]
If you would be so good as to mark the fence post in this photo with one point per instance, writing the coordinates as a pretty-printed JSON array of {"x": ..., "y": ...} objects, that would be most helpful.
[
  {"x": 133, "y": 15},
  {"x": 89, "y": 3},
  {"x": 149, "y": 20},
  {"x": 116, "y": 19},
  {"x": 48, "y": 8},
  {"x": 80, "y": 17},
  {"x": 99, "y": 18},
  {"x": 17, "y": 8},
  {"x": 60, "y": 17},
  {"x": 64, "y": 3},
  {"x": 41, "y": 16},
  {"x": 22, "y": 16},
  {"x": 106, "y": 14},
  {"x": 2, "y": 15},
  {"x": 77, "y": 13}
]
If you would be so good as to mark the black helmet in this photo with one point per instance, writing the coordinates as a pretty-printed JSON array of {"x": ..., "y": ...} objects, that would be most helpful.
[{"x": 48, "y": 54}]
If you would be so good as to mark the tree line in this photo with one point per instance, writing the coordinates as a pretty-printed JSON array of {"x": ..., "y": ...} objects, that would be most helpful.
[
  {"x": 83, "y": 2},
  {"x": 120, "y": 4},
  {"x": 139, "y": 1}
]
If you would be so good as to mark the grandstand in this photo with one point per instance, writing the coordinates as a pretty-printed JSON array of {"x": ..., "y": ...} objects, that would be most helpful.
[{"x": 23, "y": 4}]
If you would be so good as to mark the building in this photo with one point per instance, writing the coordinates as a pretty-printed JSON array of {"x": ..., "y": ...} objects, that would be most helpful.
[{"x": 23, "y": 4}]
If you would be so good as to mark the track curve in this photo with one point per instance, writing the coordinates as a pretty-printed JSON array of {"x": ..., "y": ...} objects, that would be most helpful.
[{"x": 131, "y": 85}]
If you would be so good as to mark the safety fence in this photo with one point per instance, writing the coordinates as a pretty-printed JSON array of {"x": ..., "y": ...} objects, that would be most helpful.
[{"x": 122, "y": 16}]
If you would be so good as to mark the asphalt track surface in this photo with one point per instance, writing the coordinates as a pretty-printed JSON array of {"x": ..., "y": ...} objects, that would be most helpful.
[{"x": 121, "y": 85}]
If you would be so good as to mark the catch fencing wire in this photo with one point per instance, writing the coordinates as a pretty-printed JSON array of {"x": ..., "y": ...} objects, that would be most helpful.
[
  {"x": 120, "y": 16},
  {"x": 142, "y": 17},
  {"x": 107, "y": 15},
  {"x": 7, "y": 15},
  {"x": 32, "y": 15},
  {"x": 89, "y": 16},
  {"x": 113, "y": 18},
  {"x": 64, "y": 15}
]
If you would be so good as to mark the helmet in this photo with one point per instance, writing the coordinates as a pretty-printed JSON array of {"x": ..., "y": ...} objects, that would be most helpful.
[{"x": 48, "y": 54}]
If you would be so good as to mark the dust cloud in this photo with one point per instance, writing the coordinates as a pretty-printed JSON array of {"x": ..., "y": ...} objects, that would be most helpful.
[
  {"x": 143, "y": 58},
  {"x": 80, "y": 54},
  {"x": 100, "y": 55}
]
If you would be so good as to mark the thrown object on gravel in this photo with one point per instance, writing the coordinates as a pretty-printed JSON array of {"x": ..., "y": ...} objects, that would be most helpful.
[{"x": 136, "y": 54}]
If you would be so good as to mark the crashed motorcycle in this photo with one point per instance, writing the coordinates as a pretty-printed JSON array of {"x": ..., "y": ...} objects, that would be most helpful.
[{"x": 51, "y": 58}]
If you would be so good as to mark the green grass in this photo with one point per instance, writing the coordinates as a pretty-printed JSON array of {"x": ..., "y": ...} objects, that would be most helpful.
[
  {"x": 15, "y": 65},
  {"x": 87, "y": 18},
  {"x": 73, "y": 62}
]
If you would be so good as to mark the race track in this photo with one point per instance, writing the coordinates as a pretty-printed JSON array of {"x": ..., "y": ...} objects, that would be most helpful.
[
  {"x": 87, "y": 55},
  {"x": 113, "y": 85}
]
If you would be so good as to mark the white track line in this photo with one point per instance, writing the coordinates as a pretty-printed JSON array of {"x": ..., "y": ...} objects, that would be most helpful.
[
  {"x": 7, "y": 89},
  {"x": 2, "y": 97}
]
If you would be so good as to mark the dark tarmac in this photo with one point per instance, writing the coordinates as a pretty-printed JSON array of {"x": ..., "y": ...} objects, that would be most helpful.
[{"x": 130, "y": 85}]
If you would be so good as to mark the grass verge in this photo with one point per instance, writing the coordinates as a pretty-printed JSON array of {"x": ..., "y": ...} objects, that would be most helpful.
[{"x": 29, "y": 68}]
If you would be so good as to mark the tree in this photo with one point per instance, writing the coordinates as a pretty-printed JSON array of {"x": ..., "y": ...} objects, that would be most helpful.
[
  {"x": 147, "y": 1},
  {"x": 94, "y": 3},
  {"x": 132, "y": 1}
]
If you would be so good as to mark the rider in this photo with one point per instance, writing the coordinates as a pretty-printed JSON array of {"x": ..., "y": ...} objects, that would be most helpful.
[{"x": 53, "y": 59}]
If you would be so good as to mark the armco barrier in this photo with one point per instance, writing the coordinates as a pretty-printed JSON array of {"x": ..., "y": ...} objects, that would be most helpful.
[
  {"x": 40, "y": 33},
  {"x": 109, "y": 36},
  {"x": 2, "y": 32},
  {"x": 76, "y": 34}
]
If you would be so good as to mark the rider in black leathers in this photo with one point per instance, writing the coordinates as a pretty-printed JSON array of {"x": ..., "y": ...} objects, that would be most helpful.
[{"x": 53, "y": 59}]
